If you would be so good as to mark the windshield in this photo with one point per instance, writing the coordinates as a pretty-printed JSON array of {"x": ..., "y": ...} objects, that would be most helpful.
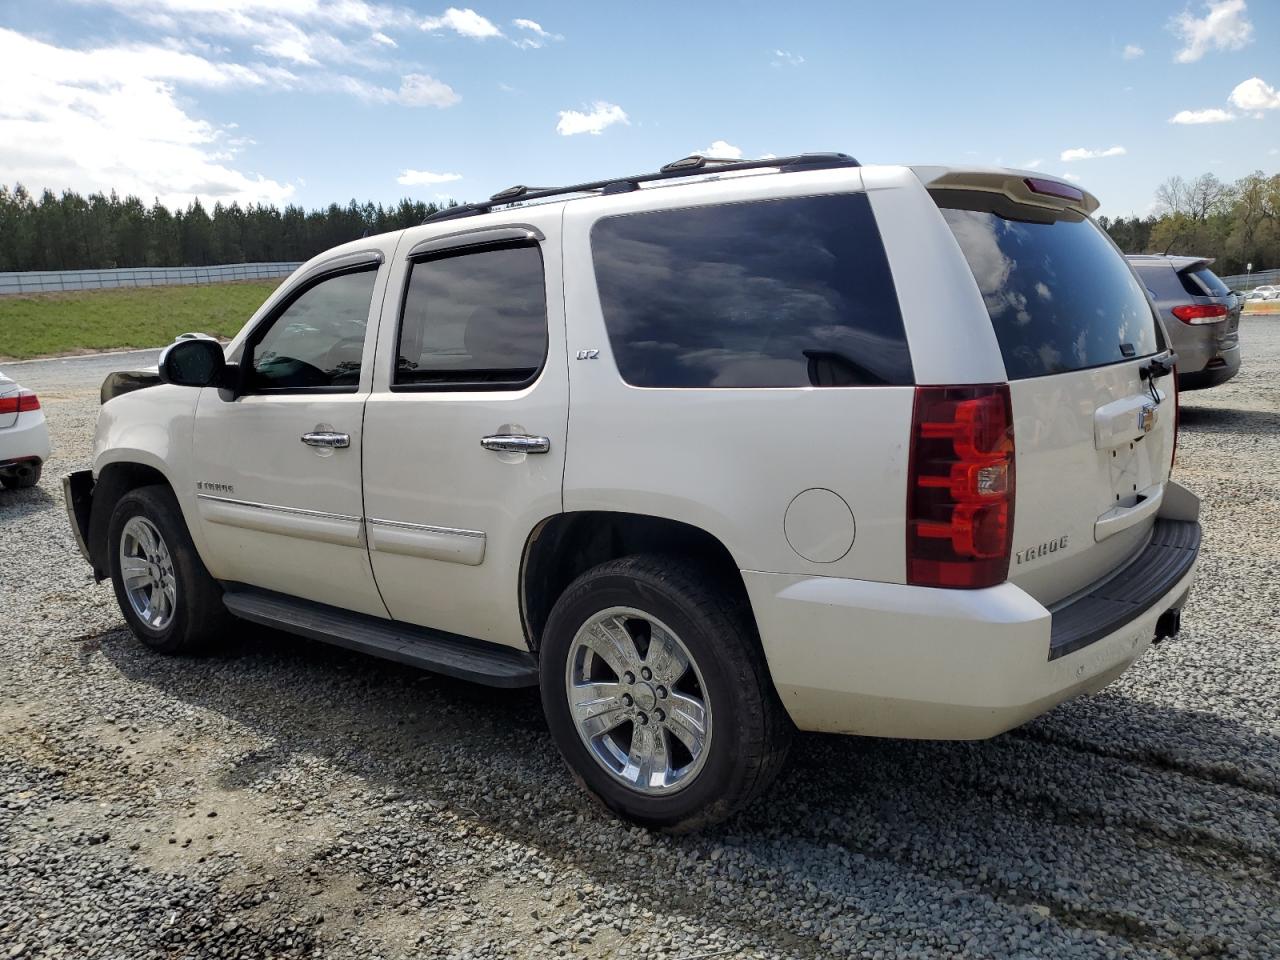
[{"x": 1059, "y": 294}]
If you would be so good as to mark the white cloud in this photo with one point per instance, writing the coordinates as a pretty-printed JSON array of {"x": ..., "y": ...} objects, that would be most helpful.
[
  {"x": 1225, "y": 27},
  {"x": 306, "y": 32},
  {"x": 1255, "y": 94},
  {"x": 1211, "y": 115},
  {"x": 1082, "y": 153},
  {"x": 465, "y": 22},
  {"x": 413, "y": 178},
  {"x": 1033, "y": 164},
  {"x": 1132, "y": 51},
  {"x": 1070, "y": 176},
  {"x": 108, "y": 118},
  {"x": 420, "y": 90},
  {"x": 721, "y": 150},
  {"x": 293, "y": 49},
  {"x": 382, "y": 38},
  {"x": 785, "y": 58},
  {"x": 534, "y": 34},
  {"x": 602, "y": 115}
]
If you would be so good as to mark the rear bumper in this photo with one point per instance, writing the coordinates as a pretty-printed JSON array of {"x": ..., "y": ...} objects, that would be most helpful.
[
  {"x": 876, "y": 659},
  {"x": 28, "y": 439},
  {"x": 1217, "y": 369}
]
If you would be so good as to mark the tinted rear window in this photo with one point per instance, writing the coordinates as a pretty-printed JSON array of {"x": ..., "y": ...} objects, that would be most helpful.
[
  {"x": 1203, "y": 283},
  {"x": 776, "y": 293},
  {"x": 1060, "y": 296}
]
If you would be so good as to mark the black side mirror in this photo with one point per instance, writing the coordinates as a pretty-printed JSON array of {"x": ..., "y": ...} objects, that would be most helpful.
[{"x": 196, "y": 362}]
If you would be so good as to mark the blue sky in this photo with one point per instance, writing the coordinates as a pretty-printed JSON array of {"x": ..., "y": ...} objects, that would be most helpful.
[{"x": 314, "y": 101}]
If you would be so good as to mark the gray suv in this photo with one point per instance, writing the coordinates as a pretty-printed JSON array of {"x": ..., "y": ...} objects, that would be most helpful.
[{"x": 1201, "y": 314}]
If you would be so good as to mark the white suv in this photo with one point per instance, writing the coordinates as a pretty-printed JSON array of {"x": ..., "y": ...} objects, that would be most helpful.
[{"x": 708, "y": 455}]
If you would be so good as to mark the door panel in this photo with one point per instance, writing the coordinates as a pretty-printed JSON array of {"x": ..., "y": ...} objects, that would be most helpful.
[
  {"x": 448, "y": 519},
  {"x": 277, "y": 511}
]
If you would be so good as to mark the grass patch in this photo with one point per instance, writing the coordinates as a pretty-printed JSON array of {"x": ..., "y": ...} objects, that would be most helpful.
[{"x": 48, "y": 324}]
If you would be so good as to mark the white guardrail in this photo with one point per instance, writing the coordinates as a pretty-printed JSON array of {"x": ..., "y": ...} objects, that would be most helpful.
[
  {"x": 1247, "y": 281},
  {"x": 57, "y": 281}
]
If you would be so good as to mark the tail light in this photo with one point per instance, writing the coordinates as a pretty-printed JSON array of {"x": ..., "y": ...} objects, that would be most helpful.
[
  {"x": 1052, "y": 188},
  {"x": 20, "y": 402},
  {"x": 961, "y": 487},
  {"x": 1196, "y": 313}
]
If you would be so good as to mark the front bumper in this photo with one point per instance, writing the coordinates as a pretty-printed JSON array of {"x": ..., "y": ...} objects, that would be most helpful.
[
  {"x": 77, "y": 493},
  {"x": 890, "y": 660}
]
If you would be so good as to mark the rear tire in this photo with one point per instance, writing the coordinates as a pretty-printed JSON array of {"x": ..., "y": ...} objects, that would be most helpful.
[
  {"x": 165, "y": 593},
  {"x": 22, "y": 476},
  {"x": 637, "y": 655}
]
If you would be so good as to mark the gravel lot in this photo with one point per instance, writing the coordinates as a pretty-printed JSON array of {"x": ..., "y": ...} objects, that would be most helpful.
[{"x": 287, "y": 799}]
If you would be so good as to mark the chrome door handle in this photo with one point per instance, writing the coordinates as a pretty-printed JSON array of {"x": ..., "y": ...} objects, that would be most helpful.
[
  {"x": 515, "y": 443},
  {"x": 327, "y": 438}
]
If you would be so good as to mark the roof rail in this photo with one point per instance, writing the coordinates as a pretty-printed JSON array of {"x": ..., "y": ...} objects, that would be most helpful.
[{"x": 684, "y": 167}]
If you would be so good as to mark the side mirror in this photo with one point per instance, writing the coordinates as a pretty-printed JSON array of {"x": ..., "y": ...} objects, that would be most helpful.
[{"x": 195, "y": 362}]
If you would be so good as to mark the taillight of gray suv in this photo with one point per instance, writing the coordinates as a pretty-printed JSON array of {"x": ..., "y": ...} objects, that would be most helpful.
[{"x": 1201, "y": 314}]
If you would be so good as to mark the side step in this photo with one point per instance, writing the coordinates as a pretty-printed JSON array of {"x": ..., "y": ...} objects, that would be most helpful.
[{"x": 446, "y": 653}]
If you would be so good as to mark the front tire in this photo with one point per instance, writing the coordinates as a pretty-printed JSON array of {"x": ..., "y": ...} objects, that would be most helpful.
[
  {"x": 164, "y": 591},
  {"x": 657, "y": 693}
]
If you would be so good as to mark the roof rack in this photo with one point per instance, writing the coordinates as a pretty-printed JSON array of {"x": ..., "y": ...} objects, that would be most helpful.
[{"x": 684, "y": 167}]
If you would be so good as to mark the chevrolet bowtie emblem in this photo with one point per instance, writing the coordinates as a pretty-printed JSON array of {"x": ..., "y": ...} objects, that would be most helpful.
[{"x": 1146, "y": 418}]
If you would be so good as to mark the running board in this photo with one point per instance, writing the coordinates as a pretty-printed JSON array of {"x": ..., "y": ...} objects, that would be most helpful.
[{"x": 445, "y": 653}]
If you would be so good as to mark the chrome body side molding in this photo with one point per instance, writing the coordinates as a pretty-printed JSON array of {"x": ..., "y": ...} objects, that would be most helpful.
[
  {"x": 422, "y": 540},
  {"x": 336, "y": 528}
]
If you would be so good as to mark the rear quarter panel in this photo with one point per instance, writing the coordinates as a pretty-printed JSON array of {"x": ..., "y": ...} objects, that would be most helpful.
[{"x": 730, "y": 461}]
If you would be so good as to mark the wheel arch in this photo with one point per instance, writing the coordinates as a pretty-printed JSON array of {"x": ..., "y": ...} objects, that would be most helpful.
[
  {"x": 114, "y": 480},
  {"x": 566, "y": 545}
]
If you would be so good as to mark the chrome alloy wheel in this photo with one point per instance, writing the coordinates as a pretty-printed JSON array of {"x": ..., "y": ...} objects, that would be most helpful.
[
  {"x": 638, "y": 700},
  {"x": 146, "y": 568}
]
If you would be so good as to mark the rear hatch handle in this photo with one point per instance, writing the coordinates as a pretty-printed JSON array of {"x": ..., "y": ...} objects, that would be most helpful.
[{"x": 1156, "y": 368}]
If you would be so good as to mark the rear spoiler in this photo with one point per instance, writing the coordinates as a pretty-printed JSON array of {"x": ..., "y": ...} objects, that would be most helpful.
[
  {"x": 1191, "y": 265},
  {"x": 1020, "y": 186}
]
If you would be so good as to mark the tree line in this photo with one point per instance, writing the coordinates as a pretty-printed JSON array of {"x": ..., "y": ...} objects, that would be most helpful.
[
  {"x": 71, "y": 232},
  {"x": 1235, "y": 223}
]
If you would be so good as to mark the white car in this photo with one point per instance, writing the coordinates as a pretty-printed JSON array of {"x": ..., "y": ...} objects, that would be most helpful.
[
  {"x": 24, "y": 437},
  {"x": 876, "y": 450},
  {"x": 1264, "y": 292}
]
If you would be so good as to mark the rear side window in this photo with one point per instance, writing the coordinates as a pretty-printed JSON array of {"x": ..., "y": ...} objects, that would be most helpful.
[
  {"x": 1203, "y": 282},
  {"x": 775, "y": 293},
  {"x": 475, "y": 319},
  {"x": 1060, "y": 296}
]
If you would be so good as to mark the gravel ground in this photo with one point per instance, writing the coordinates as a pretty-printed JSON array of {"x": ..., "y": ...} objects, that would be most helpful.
[{"x": 287, "y": 799}]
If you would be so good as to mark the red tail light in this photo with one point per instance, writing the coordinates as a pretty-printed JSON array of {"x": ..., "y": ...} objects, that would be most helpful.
[
  {"x": 961, "y": 487},
  {"x": 1195, "y": 313},
  {"x": 20, "y": 402}
]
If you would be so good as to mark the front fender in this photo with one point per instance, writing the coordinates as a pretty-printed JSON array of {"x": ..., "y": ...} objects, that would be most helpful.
[{"x": 142, "y": 437}]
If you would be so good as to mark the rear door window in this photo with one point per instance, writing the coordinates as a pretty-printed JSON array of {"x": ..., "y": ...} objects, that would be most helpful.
[
  {"x": 1060, "y": 296},
  {"x": 775, "y": 293},
  {"x": 474, "y": 320}
]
